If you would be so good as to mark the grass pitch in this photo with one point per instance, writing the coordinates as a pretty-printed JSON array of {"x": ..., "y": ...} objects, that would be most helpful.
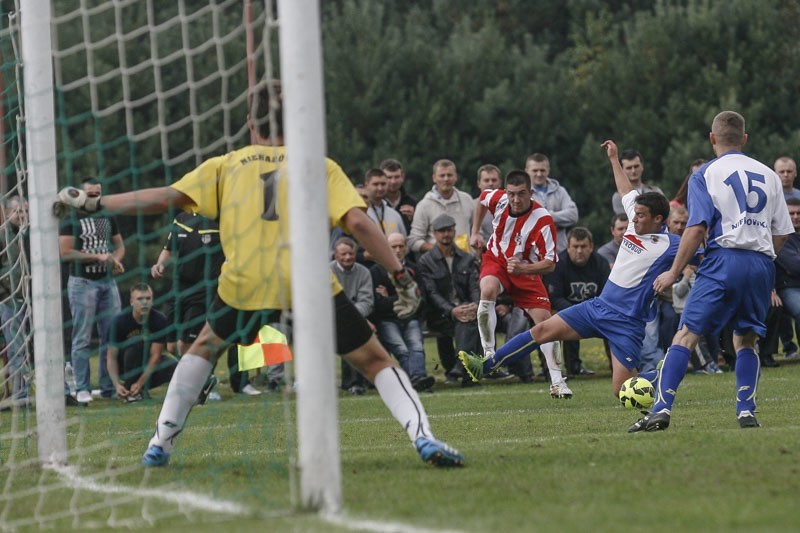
[{"x": 533, "y": 463}]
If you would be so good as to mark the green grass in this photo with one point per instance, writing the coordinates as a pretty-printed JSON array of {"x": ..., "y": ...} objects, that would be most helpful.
[{"x": 533, "y": 463}]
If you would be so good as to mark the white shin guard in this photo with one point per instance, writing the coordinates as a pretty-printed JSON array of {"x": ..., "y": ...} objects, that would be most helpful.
[
  {"x": 402, "y": 400},
  {"x": 487, "y": 322},
  {"x": 184, "y": 388}
]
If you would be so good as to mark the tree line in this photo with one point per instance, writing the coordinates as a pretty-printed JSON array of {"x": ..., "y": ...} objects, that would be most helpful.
[
  {"x": 488, "y": 81},
  {"x": 493, "y": 81}
]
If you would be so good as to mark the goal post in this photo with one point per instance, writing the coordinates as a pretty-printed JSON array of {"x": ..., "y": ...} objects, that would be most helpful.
[
  {"x": 38, "y": 102},
  {"x": 317, "y": 420}
]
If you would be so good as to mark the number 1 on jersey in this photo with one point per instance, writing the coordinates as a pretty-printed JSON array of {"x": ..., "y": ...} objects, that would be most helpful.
[{"x": 270, "y": 197}]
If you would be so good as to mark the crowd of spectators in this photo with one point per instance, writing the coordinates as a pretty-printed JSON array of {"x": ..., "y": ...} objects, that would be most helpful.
[{"x": 447, "y": 267}]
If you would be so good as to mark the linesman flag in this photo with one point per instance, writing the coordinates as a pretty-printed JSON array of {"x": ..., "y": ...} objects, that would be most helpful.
[{"x": 269, "y": 348}]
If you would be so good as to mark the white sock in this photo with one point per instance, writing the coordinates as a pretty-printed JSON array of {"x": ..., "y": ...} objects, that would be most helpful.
[
  {"x": 487, "y": 322},
  {"x": 402, "y": 400},
  {"x": 552, "y": 365},
  {"x": 184, "y": 387}
]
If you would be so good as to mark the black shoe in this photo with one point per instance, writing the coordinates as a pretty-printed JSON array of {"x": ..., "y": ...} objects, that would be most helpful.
[
  {"x": 584, "y": 372},
  {"x": 422, "y": 383},
  {"x": 747, "y": 420},
  {"x": 499, "y": 375},
  {"x": 526, "y": 379},
  {"x": 769, "y": 362},
  {"x": 275, "y": 385},
  {"x": 451, "y": 379},
  {"x": 466, "y": 382},
  {"x": 70, "y": 401},
  {"x": 651, "y": 422},
  {"x": 357, "y": 390},
  {"x": 211, "y": 382}
]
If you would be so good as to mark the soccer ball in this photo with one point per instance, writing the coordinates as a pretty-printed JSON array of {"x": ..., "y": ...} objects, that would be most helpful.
[{"x": 637, "y": 393}]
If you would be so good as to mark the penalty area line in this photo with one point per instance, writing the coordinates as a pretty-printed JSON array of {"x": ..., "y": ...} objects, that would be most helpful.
[
  {"x": 356, "y": 524},
  {"x": 184, "y": 499}
]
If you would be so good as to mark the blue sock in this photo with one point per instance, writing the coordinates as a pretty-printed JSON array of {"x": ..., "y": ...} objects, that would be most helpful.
[
  {"x": 520, "y": 346},
  {"x": 675, "y": 363},
  {"x": 747, "y": 370}
]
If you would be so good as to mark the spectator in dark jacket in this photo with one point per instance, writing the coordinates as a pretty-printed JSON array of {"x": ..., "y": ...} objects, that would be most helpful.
[
  {"x": 580, "y": 274},
  {"x": 449, "y": 278},
  {"x": 787, "y": 268}
]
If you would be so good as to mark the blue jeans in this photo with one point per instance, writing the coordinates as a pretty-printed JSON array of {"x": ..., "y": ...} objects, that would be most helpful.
[
  {"x": 91, "y": 302},
  {"x": 791, "y": 307},
  {"x": 791, "y": 302},
  {"x": 651, "y": 353},
  {"x": 15, "y": 328},
  {"x": 404, "y": 341}
]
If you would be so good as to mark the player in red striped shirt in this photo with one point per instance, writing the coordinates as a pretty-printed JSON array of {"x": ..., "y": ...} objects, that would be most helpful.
[{"x": 521, "y": 249}]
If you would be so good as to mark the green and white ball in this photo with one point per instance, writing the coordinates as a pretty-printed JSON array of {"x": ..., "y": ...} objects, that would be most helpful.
[{"x": 637, "y": 393}]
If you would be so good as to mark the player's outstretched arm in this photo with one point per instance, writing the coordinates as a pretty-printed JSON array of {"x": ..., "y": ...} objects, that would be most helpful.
[
  {"x": 146, "y": 201},
  {"x": 620, "y": 179}
]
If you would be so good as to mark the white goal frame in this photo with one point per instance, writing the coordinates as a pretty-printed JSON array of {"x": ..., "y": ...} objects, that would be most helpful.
[
  {"x": 304, "y": 117},
  {"x": 40, "y": 149}
]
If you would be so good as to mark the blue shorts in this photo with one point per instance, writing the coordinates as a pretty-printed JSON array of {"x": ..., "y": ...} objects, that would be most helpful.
[
  {"x": 732, "y": 285},
  {"x": 593, "y": 318}
]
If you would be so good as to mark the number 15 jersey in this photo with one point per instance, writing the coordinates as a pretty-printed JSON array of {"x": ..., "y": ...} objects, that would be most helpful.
[
  {"x": 246, "y": 191},
  {"x": 740, "y": 200}
]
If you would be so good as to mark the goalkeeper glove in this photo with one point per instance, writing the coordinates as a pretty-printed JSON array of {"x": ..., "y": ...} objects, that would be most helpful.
[
  {"x": 72, "y": 198},
  {"x": 408, "y": 296}
]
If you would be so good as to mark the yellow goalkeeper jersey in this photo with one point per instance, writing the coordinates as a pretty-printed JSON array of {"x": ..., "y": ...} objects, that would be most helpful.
[{"x": 246, "y": 191}]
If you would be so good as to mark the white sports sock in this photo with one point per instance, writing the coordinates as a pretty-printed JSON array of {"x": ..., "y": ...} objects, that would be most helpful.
[
  {"x": 487, "y": 322},
  {"x": 552, "y": 365},
  {"x": 402, "y": 400},
  {"x": 184, "y": 388}
]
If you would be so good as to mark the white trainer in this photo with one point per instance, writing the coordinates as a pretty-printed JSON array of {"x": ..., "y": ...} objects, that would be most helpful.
[
  {"x": 84, "y": 396},
  {"x": 560, "y": 390},
  {"x": 250, "y": 390}
]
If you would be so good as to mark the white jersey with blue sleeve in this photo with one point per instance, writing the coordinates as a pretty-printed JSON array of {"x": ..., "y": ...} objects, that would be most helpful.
[
  {"x": 740, "y": 201},
  {"x": 640, "y": 260}
]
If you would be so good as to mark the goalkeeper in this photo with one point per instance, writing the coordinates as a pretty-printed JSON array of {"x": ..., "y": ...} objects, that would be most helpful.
[{"x": 246, "y": 191}]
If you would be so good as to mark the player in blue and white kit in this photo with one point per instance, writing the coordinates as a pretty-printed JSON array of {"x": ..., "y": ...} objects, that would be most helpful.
[
  {"x": 739, "y": 201},
  {"x": 627, "y": 302}
]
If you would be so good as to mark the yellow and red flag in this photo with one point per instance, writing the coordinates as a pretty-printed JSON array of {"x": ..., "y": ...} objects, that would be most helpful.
[{"x": 269, "y": 348}]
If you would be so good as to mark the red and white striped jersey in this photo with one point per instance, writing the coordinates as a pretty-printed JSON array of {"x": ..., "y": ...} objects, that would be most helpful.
[{"x": 531, "y": 237}]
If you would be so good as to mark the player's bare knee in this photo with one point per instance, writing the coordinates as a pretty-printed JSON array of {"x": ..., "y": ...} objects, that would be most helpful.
[
  {"x": 207, "y": 344},
  {"x": 746, "y": 341},
  {"x": 489, "y": 290},
  {"x": 369, "y": 359},
  {"x": 684, "y": 337}
]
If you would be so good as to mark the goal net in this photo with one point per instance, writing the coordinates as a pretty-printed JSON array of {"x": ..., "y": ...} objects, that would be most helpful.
[{"x": 144, "y": 90}]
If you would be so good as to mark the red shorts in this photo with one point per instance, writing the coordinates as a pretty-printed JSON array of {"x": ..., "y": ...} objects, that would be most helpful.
[{"x": 527, "y": 290}]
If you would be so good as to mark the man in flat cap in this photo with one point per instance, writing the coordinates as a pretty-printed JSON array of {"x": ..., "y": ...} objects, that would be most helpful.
[{"x": 449, "y": 279}]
